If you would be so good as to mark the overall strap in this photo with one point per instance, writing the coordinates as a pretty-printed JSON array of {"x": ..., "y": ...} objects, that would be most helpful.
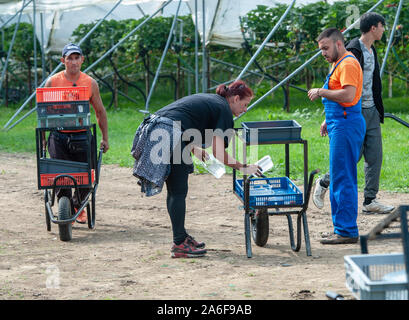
[{"x": 349, "y": 55}]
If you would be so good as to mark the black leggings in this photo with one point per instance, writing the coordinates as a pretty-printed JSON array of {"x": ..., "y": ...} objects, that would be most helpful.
[{"x": 177, "y": 186}]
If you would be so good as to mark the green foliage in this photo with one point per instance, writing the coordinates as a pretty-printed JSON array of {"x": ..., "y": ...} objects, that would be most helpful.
[
  {"x": 294, "y": 41},
  {"x": 22, "y": 57}
]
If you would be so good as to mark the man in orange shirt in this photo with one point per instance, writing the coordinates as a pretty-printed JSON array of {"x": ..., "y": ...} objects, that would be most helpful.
[
  {"x": 345, "y": 126},
  {"x": 59, "y": 141}
]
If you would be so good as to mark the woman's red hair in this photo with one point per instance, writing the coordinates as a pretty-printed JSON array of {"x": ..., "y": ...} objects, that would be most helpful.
[{"x": 236, "y": 88}]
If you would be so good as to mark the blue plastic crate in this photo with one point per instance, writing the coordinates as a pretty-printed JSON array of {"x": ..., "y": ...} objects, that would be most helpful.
[{"x": 271, "y": 192}]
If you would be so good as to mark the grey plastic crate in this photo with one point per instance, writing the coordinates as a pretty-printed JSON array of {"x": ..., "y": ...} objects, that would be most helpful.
[
  {"x": 63, "y": 114},
  {"x": 375, "y": 276},
  {"x": 64, "y": 120},
  {"x": 61, "y": 166},
  {"x": 58, "y": 108},
  {"x": 257, "y": 132}
]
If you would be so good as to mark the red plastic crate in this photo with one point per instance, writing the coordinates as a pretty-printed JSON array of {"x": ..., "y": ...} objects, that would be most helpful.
[
  {"x": 62, "y": 94},
  {"x": 47, "y": 179}
]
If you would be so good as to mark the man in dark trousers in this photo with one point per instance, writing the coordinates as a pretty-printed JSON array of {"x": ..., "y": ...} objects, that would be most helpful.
[
  {"x": 372, "y": 28},
  {"x": 59, "y": 140}
]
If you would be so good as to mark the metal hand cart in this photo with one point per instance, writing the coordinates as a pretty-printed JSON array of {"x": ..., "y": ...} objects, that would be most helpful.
[
  {"x": 281, "y": 194},
  {"x": 66, "y": 109}
]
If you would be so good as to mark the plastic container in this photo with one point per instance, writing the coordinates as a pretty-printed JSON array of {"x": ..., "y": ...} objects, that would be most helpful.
[
  {"x": 63, "y": 107},
  {"x": 214, "y": 166},
  {"x": 264, "y": 132},
  {"x": 270, "y": 192},
  {"x": 61, "y": 166},
  {"x": 59, "y": 108},
  {"x": 265, "y": 163},
  {"x": 376, "y": 276},
  {"x": 64, "y": 120},
  {"x": 62, "y": 94},
  {"x": 82, "y": 178}
]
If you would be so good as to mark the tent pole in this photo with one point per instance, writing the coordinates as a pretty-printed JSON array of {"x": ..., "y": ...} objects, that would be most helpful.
[
  {"x": 11, "y": 18},
  {"x": 266, "y": 40},
  {"x": 42, "y": 47},
  {"x": 391, "y": 37},
  {"x": 196, "y": 51},
  {"x": 248, "y": 72},
  {"x": 299, "y": 68},
  {"x": 35, "y": 44},
  {"x": 128, "y": 35},
  {"x": 162, "y": 58},
  {"x": 3, "y": 73},
  {"x": 52, "y": 73},
  {"x": 204, "y": 64}
]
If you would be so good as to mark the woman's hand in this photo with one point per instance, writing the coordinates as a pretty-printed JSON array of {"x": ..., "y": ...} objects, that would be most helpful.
[
  {"x": 200, "y": 153},
  {"x": 250, "y": 169}
]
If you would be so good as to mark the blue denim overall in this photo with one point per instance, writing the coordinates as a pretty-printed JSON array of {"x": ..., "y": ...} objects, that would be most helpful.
[{"x": 346, "y": 131}]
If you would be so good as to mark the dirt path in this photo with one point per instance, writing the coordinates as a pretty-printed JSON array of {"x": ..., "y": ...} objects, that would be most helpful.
[{"x": 127, "y": 255}]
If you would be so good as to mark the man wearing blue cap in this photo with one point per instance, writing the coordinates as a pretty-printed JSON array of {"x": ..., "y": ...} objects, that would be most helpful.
[{"x": 59, "y": 141}]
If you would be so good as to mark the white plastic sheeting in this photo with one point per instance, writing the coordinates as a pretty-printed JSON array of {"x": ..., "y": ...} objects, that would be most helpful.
[{"x": 61, "y": 18}]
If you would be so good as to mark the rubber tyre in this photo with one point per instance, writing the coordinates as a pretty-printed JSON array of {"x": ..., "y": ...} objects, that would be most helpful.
[
  {"x": 260, "y": 227},
  {"x": 47, "y": 217},
  {"x": 64, "y": 213}
]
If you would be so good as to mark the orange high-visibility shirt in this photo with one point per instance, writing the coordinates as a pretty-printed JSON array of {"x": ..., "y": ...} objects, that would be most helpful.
[{"x": 349, "y": 72}]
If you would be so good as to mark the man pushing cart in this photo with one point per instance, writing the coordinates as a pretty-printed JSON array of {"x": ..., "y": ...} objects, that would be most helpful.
[{"x": 63, "y": 110}]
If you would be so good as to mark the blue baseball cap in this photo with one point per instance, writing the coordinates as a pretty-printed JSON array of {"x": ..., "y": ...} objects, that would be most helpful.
[{"x": 71, "y": 48}]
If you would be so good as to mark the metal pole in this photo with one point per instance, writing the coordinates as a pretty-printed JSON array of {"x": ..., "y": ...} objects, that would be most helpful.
[
  {"x": 249, "y": 73},
  {"x": 3, "y": 73},
  {"x": 35, "y": 45},
  {"x": 299, "y": 68},
  {"x": 11, "y": 18},
  {"x": 42, "y": 47},
  {"x": 128, "y": 35},
  {"x": 196, "y": 51},
  {"x": 162, "y": 58},
  {"x": 204, "y": 64},
  {"x": 391, "y": 37},
  {"x": 99, "y": 22},
  {"x": 266, "y": 40},
  {"x": 51, "y": 74}
]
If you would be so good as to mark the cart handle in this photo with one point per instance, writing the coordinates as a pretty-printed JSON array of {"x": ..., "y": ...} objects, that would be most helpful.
[{"x": 101, "y": 151}]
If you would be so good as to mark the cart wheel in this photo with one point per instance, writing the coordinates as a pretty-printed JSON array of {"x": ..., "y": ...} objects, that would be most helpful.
[
  {"x": 260, "y": 227},
  {"x": 64, "y": 213},
  {"x": 47, "y": 217}
]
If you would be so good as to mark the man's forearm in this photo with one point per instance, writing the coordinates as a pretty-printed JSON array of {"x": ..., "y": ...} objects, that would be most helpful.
[{"x": 340, "y": 95}]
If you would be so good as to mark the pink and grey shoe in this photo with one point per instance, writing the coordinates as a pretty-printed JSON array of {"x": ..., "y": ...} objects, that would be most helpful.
[
  {"x": 187, "y": 250},
  {"x": 193, "y": 242}
]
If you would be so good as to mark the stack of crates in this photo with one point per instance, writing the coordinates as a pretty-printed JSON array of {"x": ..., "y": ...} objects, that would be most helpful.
[{"x": 59, "y": 107}]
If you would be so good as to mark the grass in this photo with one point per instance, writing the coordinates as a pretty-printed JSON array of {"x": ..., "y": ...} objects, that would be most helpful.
[{"x": 124, "y": 121}]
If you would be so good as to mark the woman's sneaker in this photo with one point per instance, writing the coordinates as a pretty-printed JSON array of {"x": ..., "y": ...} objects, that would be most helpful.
[
  {"x": 192, "y": 241},
  {"x": 187, "y": 250}
]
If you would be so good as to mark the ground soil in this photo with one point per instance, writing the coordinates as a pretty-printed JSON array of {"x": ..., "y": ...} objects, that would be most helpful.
[{"x": 127, "y": 255}]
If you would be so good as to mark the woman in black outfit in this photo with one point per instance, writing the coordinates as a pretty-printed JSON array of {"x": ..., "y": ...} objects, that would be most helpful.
[{"x": 197, "y": 121}]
